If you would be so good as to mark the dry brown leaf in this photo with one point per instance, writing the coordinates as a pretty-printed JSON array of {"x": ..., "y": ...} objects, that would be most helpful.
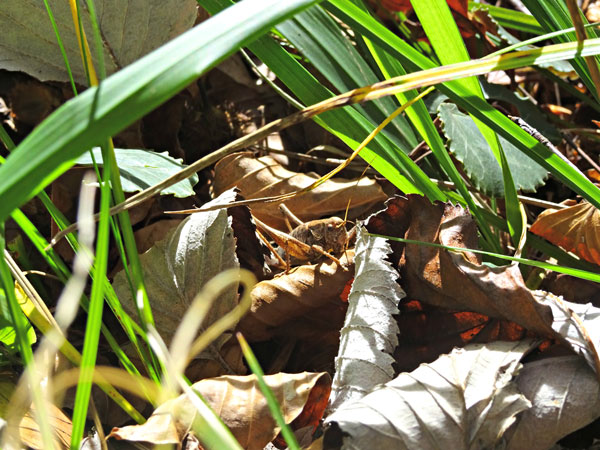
[
  {"x": 29, "y": 430},
  {"x": 576, "y": 229},
  {"x": 302, "y": 303},
  {"x": 264, "y": 177},
  {"x": 460, "y": 281},
  {"x": 241, "y": 406}
]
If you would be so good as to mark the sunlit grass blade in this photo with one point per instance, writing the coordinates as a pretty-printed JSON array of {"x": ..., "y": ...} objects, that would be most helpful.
[
  {"x": 510, "y": 18},
  {"x": 30, "y": 371},
  {"x": 502, "y": 125},
  {"x": 286, "y": 431},
  {"x": 553, "y": 16},
  {"x": 579, "y": 273},
  {"x": 94, "y": 318}
]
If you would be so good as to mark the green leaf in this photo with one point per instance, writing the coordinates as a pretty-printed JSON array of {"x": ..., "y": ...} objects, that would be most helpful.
[
  {"x": 140, "y": 169},
  {"x": 468, "y": 146},
  {"x": 102, "y": 111},
  {"x": 8, "y": 335},
  {"x": 28, "y": 43},
  {"x": 529, "y": 112}
]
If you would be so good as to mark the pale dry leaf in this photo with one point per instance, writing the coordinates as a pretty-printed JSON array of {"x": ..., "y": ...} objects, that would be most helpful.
[
  {"x": 176, "y": 268},
  {"x": 565, "y": 396},
  {"x": 464, "y": 400},
  {"x": 305, "y": 301},
  {"x": 265, "y": 177},
  {"x": 239, "y": 403},
  {"x": 29, "y": 430},
  {"x": 577, "y": 325},
  {"x": 129, "y": 28},
  {"x": 370, "y": 332}
]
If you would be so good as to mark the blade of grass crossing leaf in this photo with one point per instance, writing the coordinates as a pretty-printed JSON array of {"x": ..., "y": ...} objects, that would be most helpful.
[
  {"x": 443, "y": 33},
  {"x": 421, "y": 120},
  {"x": 61, "y": 46},
  {"x": 583, "y": 274},
  {"x": 94, "y": 319},
  {"x": 479, "y": 108},
  {"x": 130, "y": 93},
  {"x": 286, "y": 431},
  {"x": 31, "y": 375},
  {"x": 84, "y": 50},
  {"x": 145, "y": 312},
  {"x": 509, "y": 18}
]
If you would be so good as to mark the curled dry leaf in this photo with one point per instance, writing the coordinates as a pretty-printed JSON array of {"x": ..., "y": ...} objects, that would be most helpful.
[
  {"x": 176, "y": 268},
  {"x": 241, "y": 406},
  {"x": 463, "y": 400},
  {"x": 265, "y": 177},
  {"x": 302, "y": 303},
  {"x": 370, "y": 331},
  {"x": 576, "y": 229},
  {"x": 565, "y": 396}
]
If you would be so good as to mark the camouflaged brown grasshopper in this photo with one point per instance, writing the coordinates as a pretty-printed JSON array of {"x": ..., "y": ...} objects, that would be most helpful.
[{"x": 309, "y": 241}]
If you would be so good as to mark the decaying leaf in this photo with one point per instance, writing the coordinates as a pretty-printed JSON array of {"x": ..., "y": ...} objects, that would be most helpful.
[
  {"x": 264, "y": 177},
  {"x": 29, "y": 430},
  {"x": 576, "y": 229},
  {"x": 458, "y": 281},
  {"x": 176, "y": 268},
  {"x": 241, "y": 406},
  {"x": 463, "y": 400},
  {"x": 427, "y": 331},
  {"x": 129, "y": 28},
  {"x": 370, "y": 331},
  {"x": 565, "y": 396},
  {"x": 302, "y": 303}
]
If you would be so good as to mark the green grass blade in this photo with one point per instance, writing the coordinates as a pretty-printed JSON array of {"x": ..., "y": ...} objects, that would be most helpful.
[
  {"x": 413, "y": 60},
  {"x": 509, "y": 18},
  {"x": 443, "y": 33},
  {"x": 61, "y": 47},
  {"x": 127, "y": 95},
  {"x": 579, "y": 273},
  {"x": 553, "y": 15},
  {"x": 324, "y": 44},
  {"x": 286, "y": 431},
  {"x": 94, "y": 319}
]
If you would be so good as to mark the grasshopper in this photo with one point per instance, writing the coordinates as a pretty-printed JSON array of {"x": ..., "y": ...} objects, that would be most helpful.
[{"x": 311, "y": 240}]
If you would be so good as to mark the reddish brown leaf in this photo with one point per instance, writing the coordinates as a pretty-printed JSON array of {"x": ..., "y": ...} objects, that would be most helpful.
[
  {"x": 576, "y": 229},
  {"x": 428, "y": 331}
]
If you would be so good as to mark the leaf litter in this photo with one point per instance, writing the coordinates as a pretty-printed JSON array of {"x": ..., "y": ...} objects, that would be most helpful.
[{"x": 433, "y": 347}]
